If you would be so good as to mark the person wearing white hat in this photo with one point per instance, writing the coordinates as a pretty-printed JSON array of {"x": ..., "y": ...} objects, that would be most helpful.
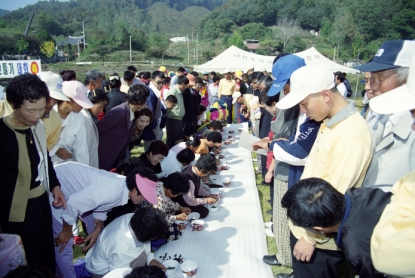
[
  {"x": 341, "y": 155},
  {"x": 226, "y": 88},
  {"x": 50, "y": 119},
  {"x": 72, "y": 144},
  {"x": 392, "y": 240},
  {"x": 394, "y": 140}
]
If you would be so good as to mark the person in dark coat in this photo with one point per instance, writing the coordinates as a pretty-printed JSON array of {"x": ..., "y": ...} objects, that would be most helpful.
[
  {"x": 117, "y": 127},
  {"x": 349, "y": 218},
  {"x": 155, "y": 154},
  {"x": 115, "y": 96}
]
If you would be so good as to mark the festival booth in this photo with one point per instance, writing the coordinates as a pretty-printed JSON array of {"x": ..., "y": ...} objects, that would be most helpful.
[{"x": 235, "y": 58}]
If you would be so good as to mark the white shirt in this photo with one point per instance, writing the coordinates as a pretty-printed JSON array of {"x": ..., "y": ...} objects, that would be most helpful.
[
  {"x": 73, "y": 139},
  {"x": 88, "y": 189},
  {"x": 342, "y": 89},
  {"x": 92, "y": 138},
  {"x": 170, "y": 164},
  {"x": 281, "y": 155},
  {"x": 116, "y": 247},
  {"x": 392, "y": 121},
  {"x": 213, "y": 93}
]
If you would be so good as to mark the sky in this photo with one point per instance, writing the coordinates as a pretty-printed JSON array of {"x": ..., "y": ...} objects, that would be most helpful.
[{"x": 16, "y": 4}]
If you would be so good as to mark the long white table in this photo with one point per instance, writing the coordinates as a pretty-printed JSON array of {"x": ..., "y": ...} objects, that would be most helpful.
[{"x": 232, "y": 242}]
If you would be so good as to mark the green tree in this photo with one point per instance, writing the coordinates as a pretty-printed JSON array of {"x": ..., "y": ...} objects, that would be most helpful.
[
  {"x": 209, "y": 30},
  {"x": 21, "y": 45},
  {"x": 325, "y": 29},
  {"x": 255, "y": 31},
  {"x": 236, "y": 40},
  {"x": 226, "y": 26},
  {"x": 271, "y": 45},
  {"x": 157, "y": 45}
]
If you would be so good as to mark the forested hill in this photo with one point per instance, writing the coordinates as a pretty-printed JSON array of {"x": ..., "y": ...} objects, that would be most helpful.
[
  {"x": 3, "y": 12},
  {"x": 65, "y": 17}
]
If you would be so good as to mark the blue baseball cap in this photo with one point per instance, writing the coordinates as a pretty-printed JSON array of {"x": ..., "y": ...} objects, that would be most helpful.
[
  {"x": 392, "y": 54},
  {"x": 282, "y": 70}
]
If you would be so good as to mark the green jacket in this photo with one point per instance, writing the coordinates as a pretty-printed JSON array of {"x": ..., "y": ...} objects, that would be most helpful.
[{"x": 178, "y": 111}]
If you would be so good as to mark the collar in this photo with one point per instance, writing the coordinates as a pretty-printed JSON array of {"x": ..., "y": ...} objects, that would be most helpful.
[
  {"x": 155, "y": 90},
  {"x": 345, "y": 217},
  {"x": 131, "y": 113},
  {"x": 136, "y": 241},
  {"x": 342, "y": 114}
]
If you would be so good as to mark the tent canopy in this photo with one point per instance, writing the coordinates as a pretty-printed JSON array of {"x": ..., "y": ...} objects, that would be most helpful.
[{"x": 235, "y": 58}]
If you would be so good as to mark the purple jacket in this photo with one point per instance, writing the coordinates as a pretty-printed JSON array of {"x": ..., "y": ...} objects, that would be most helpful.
[{"x": 115, "y": 133}]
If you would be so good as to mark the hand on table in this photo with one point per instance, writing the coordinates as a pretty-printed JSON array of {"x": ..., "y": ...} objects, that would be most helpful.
[
  {"x": 63, "y": 154},
  {"x": 181, "y": 216},
  {"x": 186, "y": 210},
  {"x": 59, "y": 198},
  {"x": 210, "y": 200},
  {"x": 158, "y": 264},
  {"x": 303, "y": 250}
]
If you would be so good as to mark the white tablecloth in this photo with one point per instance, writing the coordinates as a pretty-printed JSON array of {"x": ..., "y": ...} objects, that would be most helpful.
[{"x": 232, "y": 242}]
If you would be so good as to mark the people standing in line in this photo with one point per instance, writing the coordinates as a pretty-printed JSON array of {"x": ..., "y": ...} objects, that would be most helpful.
[
  {"x": 117, "y": 127},
  {"x": 189, "y": 115},
  {"x": 213, "y": 89},
  {"x": 175, "y": 116},
  {"x": 339, "y": 80},
  {"x": 180, "y": 72},
  {"x": 72, "y": 144},
  {"x": 27, "y": 172},
  {"x": 226, "y": 89},
  {"x": 394, "y": 140},
  {"x": 115, "y": 96}
]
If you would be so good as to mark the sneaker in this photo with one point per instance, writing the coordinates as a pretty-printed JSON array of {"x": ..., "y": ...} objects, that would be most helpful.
[
  {"x": 269, "y": 232},
  {"x": 268, "y": 224},
  {"x": 78, "y": 240}
]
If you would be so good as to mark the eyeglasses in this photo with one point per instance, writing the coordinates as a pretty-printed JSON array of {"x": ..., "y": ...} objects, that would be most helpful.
[
  {"x": 158, "y": 82},
  {"x": 379, "y": 78}
]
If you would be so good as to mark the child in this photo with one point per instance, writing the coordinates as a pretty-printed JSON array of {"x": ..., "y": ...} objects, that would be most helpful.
[{"x": 244, "y": 116}]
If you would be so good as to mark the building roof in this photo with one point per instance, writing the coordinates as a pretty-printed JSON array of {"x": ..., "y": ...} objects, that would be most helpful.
[{"x": 72, "y": 41}]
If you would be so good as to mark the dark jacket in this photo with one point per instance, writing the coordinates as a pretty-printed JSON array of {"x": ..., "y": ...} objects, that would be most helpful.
[
  {"x": 156, "y": 169},
  {"x": 115, "y": 98},
  {"x": 151, "y": 103},
  {"x": 115, "y": 132},
  {"x": 189, "y": 115},
  {"x": 356, "y": 228}
]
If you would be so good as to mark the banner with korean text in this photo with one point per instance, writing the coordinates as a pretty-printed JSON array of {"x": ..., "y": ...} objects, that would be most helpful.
[{"x": 10, "y": 69}]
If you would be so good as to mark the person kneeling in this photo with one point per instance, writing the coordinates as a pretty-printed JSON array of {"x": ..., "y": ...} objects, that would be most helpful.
[
  {"x": 197, "y": 196},
  {"x": 126, "y": 242}
]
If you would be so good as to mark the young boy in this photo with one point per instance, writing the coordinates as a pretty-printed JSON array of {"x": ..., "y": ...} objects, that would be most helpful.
[{"x": 213, "y": 139}]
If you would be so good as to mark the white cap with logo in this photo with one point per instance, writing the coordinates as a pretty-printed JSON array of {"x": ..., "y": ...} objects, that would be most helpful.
[
  {"x": 54, "y": 83},
  {"x": 305, "y": 81}
]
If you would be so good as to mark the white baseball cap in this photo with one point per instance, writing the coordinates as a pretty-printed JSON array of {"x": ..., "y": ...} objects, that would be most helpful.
[
  {"x": 227, "y": 70},
  {"x": 399, "y": 99},
  {"x": 54, "y": 83},
  {"x": 305, "y": 81},
  {"x": 76, "y": 91},
  {"x": 235, "y": 97}
]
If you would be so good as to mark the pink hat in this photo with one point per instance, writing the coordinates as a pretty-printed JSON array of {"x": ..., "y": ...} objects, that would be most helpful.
[
  {"x": 147, "y": 188},
  {"x": 76, "y": 91}
]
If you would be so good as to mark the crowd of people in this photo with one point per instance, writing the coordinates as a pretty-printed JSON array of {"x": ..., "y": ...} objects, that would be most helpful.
[{"x": 341, "y": 185}]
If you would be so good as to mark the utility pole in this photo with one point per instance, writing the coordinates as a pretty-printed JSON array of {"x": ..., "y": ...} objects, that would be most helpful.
[
  {"x": 83, "y": 32},
  {"x": 130, "y": 51},
  {"x": 197, "y": 48},
  {"x": 188, "y": 50}
]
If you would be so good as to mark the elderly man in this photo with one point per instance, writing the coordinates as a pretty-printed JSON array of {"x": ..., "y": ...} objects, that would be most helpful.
[
  {"x": 51, "y": 118},
  {"x": 226, "y": 89},
  {"x": 392, "y": 240},
  {"x": 93, "y": 80},
  {"x": 394, "y": 150}
]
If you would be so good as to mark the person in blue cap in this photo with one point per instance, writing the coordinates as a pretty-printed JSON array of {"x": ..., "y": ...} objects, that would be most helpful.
[{"x": 393, "y": 138}]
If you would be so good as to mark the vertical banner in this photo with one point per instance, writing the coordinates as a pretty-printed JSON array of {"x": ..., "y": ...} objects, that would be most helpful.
[{"x": 10, "y": 69}]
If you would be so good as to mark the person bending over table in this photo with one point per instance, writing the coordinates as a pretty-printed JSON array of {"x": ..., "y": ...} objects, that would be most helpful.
[
  {"x": 154, "y": 155},
  {"x": 126, "y": 242},
  {"x": 176, "y": 162},
  {"x": 197, "y": 196},
  {"x": 193, "y": 144},
  {"x": 213, "y": 139},
  {"x": 174, "y": 185},
  {"x": 90, "y": 194}
]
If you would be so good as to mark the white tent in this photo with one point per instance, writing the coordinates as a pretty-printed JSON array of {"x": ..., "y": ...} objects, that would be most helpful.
[{"x": 235, "y": 58}]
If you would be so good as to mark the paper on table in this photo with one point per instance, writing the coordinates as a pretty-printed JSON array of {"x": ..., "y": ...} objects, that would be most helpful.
[{"x": 247, "y": 140}]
